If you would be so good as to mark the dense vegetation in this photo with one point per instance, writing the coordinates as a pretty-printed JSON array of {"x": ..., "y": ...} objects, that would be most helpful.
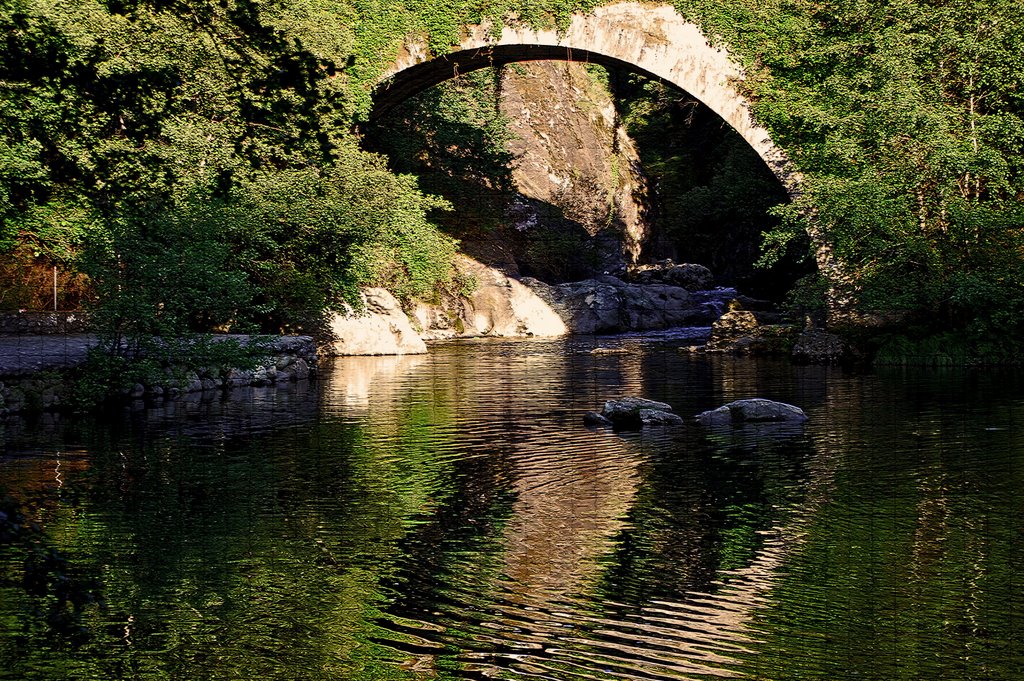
[
  {"x": 196, "y": 162},
  {"x": 905, "y": 119},
  {"x": 134, "y": 132}
]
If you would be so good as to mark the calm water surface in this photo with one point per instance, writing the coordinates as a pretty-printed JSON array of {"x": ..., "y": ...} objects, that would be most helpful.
[{"x": 449, "y": 517}]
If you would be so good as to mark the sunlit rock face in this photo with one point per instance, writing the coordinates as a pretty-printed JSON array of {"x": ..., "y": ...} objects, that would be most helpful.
[
  {"x": 381, "y": 328},
  {"x": 575, "y": 161},
  {"x": 496, "y": 305},
  {"x": 505, "y": 307}
]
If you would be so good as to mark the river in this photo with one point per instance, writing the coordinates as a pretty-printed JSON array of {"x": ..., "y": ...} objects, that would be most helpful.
[{"x": 448, "y": 516}]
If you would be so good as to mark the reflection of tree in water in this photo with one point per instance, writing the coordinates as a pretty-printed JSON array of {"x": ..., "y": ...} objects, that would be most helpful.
[
  {"x": 911, "y": 567},
  {"x": 48, "y": 595},
  {"x": 238, "y": 542},
  {"x": 471, "y": 526}
]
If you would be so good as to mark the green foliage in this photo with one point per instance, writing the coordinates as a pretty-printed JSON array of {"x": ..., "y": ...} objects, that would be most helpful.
[
  {"x": 314, "y": 236},
  {"x": 182, "y": 156},
  {"x": 457, "y": 140},
  {"x": 59, "y": 592},
  {"x": 943, "y": 350},
  {"x": 280, "y": 245},
  {"x": 712, "y": 195},
  {"x": 164, "y": 271},
  {"x": 904, "y": 119},
  {"x": 807, "y": 295}
]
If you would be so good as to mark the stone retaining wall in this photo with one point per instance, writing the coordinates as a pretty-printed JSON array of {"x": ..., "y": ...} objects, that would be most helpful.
[
  {"x": 43, "y": 323},
  {"x": 291, "y": 358}
]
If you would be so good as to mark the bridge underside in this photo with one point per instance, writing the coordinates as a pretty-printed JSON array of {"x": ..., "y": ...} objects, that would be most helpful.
[{"x": 415, "y": 79}]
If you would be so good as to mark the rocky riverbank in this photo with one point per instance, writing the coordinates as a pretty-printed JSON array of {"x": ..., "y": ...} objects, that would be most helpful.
[
  {"x": 503, "y": 306},
  {"x": 41, "y": 371},
  {"x": 743, "y": 332},
  {"x": 23, "y": 322},
  {"x": 643, "y": 298}
]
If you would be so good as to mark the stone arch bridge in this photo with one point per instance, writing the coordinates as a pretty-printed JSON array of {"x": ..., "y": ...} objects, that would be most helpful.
[{"x": 652, "y": 40}]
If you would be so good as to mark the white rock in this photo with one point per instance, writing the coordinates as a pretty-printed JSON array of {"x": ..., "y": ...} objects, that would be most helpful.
[
  {"x": 498, "y": 306},
  {"x": 381, "y": 329}
]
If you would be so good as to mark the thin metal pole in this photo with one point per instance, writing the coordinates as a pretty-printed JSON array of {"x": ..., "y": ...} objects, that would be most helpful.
[{"x": 54, "y": 288}]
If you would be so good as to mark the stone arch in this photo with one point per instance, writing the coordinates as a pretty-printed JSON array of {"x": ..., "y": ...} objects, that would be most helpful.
[{"x": 653, "y": 40}]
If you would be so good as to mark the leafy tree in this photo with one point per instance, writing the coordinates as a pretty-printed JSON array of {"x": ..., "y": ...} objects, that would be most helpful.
[{"x": 207, "y": 150}]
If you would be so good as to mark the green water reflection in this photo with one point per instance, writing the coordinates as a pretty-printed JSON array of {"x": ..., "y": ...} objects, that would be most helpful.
[{"x": 449, "y": 517}]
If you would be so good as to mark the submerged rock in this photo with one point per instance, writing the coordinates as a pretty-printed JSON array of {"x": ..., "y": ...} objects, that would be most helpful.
[
  {"x": 631, "y": 406},
  {"x": 752, "y": 410},
  {"x": 613, "y": 351},
  {"x": 657, "y": 417},
  {"x": 592, "y": 418}
]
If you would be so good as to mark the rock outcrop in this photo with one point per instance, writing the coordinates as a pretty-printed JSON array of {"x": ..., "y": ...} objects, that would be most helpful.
[
  {"x": 607, "y": 304},
  {"x": 752, "y": 410},
  {"x": 739, "y": 332},
  {"x": 506, "y": 307},
  {"x": 814, "y": 346},
  {"x": 733, "y": 331},
  {"x": 498, "y": 306},
  {"x": 574, "y": 155},
  {"x": 381, "y": 328},
  {"x": 689, "y": 276}
]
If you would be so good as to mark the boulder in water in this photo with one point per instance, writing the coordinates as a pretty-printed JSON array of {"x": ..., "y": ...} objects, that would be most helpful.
[
  {"x": 613, "y": 351},
  {"x": 592, "y": 418},
  {"x": 741, "y": 332},
  {"x": 752, "y": 410},
  {"x": 657, "y": 417},
  {"x": 632, "y": 413},
  {"x": 818, "y": 347},
  {"x": 732, "y": 331},
  {"x": 689, "y": 276}
]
